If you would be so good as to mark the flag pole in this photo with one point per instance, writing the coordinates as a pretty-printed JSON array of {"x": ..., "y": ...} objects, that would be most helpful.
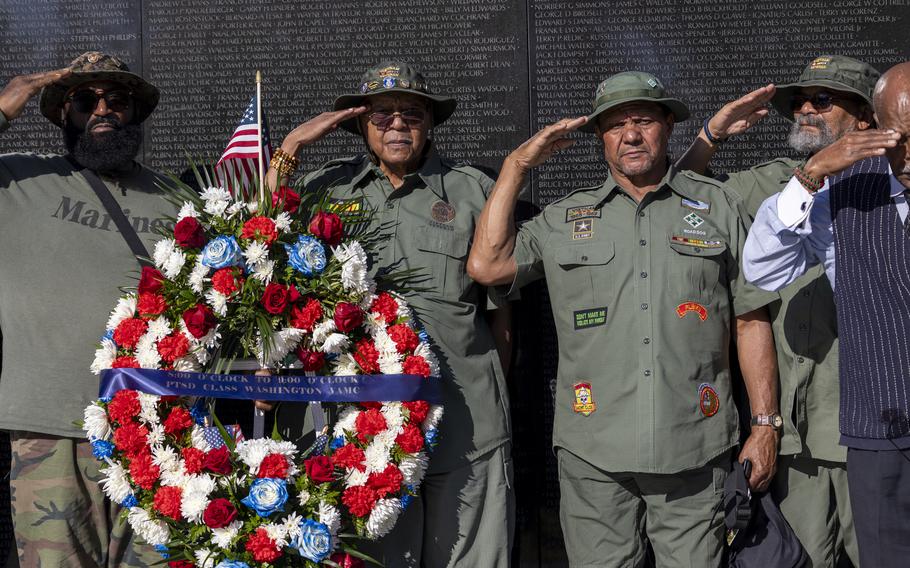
[{"x": 259, "y": 137}]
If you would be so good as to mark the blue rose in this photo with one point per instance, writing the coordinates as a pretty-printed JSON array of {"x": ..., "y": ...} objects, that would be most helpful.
[
  {"x": 232, "y": 564},
  {"x": 314, "y": 541},
  {"x": 307, "y": 255},
  {"x": 102, "y": 449},
  {"x": 267, "y": 495},
  {"x": 221, "y": 252}
]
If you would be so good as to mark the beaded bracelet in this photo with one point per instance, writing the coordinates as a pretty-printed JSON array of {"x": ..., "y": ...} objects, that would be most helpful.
[
  {"x": 284, "y": 163},
  {"x": 810, "y": 183},
  {"x": 711, "y": 138}
]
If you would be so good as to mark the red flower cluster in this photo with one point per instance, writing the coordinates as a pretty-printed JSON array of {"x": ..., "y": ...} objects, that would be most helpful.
[
  {"x": 129, "y": 331},
  {"x": 144, "y": 471},
  {"x": 199, "y": 320},
  {"x": 367, "y": 356},
  {"x": 386, "y": 481},
  {"x": 349, "y": 456},
  {"x": 130, "y": 438},
  {"x": 416, "y": 365},
  {"x": 289, "y": 199},
  {"x": 320, "y": 469},
  {"x": 276, "y": 297},
  {"x": 150, "y": 305},
  {"x": 345, "y": 560},
  {"x": 227, "y": 280},
  {"x": 263, "y": 548},
  {"x": 386, "y": 306},
  {"x": 348, "y": 317},
  {"x": 273, "y": 465},
  {"x": 417, "y": 410},
  {"x": 167, "y": 501},
  {"x": 177, "y": 421},
  {"x": 193, "y": 459},
  {"x": 180, "y": 564},
  {"x": 173, "y": 347},
  {"x": 151, "y": 280},
  {"x": 406, "y": 341},
  {"x": 411, "y": 439},
  {"x": 189, "y": 233},
  {"x": 218, "y": 461},
  {"x": 124, "y": 406},
  {"x": 311, "y": 360},
  {"x": 359, "y": 500},
  {"x": 328, "y": 227},
  {"x": 219, "y": 513},
  {"x": 260, "y": 229},
  {"x": 307, "y": 315},
  {"x": 369, "y": 423},
  {"x": 125, "y": 361}
]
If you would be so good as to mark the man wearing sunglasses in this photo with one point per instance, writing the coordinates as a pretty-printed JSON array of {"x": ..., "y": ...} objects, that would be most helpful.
[
  {"x": 424, "y": 209},
  {"x": 828, "y": 105},
  {"x": 62, "y": 259}
]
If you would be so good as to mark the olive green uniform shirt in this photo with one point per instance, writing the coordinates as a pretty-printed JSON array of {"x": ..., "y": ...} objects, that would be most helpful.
[
  {"x": 805, "y": 331},
  {"x": 643, "y": 296},
  {"x": 427, "y": 225}
]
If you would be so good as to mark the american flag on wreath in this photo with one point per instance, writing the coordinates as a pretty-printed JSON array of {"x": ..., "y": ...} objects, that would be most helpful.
[{"x": 238, "y": 166}]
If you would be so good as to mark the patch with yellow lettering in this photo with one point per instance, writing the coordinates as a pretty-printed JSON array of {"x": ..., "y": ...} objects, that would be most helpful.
[
  {"x": 389, "y": 72},
  {"x": 584, "y": 399},
  {"x": 582, "y": 229},
  {"x": 583, "y": 212},
  {"x": 820, "y": 62},
  {"x": 708, "y": 401},
  {"x": 686, "y": 307},
  {"x": 593, "y": 317}
]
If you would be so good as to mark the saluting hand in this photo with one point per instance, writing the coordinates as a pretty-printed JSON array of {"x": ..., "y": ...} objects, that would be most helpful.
[
  {"x": 742, "y": 114},
  {"x": 545, "y": 143},
  {"x": 317, "y": 127},
  {"x": 848, "y": 149},
  {"x": 20, "y": 89}
]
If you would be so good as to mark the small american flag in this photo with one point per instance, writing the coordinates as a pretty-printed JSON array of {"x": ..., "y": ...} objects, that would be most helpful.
[{"x": 238, "y": 166}]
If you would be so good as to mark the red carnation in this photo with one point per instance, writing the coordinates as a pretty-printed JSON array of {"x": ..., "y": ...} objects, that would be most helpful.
[
  {"x": 348, "y": 317},
  {"x": 306, "y": 316},
  {"x": 260, "y": 229},
  {"x": 328, "y": 227},
  {"x": 143, "y": 470},
  {"x": 367, "y": 356},
  {"x": 349, "y": 456},
  {"x": 218, "y": 461},
  {"x": 177, "y": 421},
  {"x": 369, "y": 423},
  {"x": 125, "y": 362},
  {"x": 129, "y": 331},
  {"x": 406, "y": 341},
  {"x": 410, "y": 439},
  {"x": 370, "y": 404},
  {"x": 320, "y": 469},
  {"x": 227, "y": 280},
  {"x": 150, "y": 281},
  {"x": 189, "y": 233},
  {"x": 416, "y": 365},
  {"x": 173, "y": 347},
  {"x": 193, "y": 459},
  {"x": 289, "y": 199},
  {"x": 219, "y": 513},
  {"x": 150, "y": 305},
  {"x": 345, "y": 560},
  {"x": 167, "y": 501},
  {"x": 386, "y": 306},
  {"x": 180, "y": 564},
  {"x": 199, "y": 320},
  {"x": 386, "y": 481},
  {"x": 275, "y": 298},
  {"x": 311, "y": 360},
  {"x": 273, "y": 465},
  {"x": 263, "y": 548},
  {"x": 359, "y": 500},
  {"x": 124, "y": 406},
  {"x": 417, "y": 410},
  {"x": 131, "y": 438}
]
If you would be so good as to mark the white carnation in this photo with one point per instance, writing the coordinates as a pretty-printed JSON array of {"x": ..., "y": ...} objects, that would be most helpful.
[
  {"x": 336, "y": 343},
  {"x": 125, "y": 308},
  {"x": 390, "y": 364},
  {"x": 159, "y": 328},
  {"x": 413, "y": 467},
  {"x": 155, "y": 435},
  {"x": 195, "y": 498},
  {"x": 376, "y": 457},
  {"x": 104, "y": 356},
  {"x": 356, "y": 478},
  {"x": 222, "y": 537},
  {"x": 383, "y": 517},
  {"x": 218, "y": 301},
  {"x": 165, "y": 457},
  {"x": 187, "y": 210},
  {"x": 197, "y": 276},
  {"x": 116, "y": 484},
  {"x": 394, "y": 417},
  {"x": 149, "y": 408},
  {"x": 95, "y": 423},
  {"x": 346, "y": 421},
  {"x": 151, "y": 531}
]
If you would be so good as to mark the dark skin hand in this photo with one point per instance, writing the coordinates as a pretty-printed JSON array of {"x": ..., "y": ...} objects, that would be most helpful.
[
  {"x": 850, "y": 148},
  {"x": 21, "y": 89}
]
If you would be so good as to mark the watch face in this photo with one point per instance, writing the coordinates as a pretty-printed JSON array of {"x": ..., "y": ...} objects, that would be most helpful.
[{"x": 777, "y": 421}]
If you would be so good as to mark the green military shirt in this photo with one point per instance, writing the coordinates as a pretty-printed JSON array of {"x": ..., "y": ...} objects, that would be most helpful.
[
  {"x": 427, "y": 225},
  {"x": 805, "y": 331},
  {"x": 643, "y": 296}
]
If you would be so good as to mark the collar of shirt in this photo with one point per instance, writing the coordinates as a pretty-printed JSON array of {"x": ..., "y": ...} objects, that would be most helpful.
[
  {"x": 897, "y": 188},
  {"x": 669, "y": 180},
  {"x": 430, "y": 172}
]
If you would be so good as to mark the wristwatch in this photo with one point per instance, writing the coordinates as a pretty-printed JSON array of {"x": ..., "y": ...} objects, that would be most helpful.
[{"x": 775, "y": 421}]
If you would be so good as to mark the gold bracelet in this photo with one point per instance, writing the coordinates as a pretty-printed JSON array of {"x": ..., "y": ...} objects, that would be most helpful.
[{"x": 284, "y": 163}]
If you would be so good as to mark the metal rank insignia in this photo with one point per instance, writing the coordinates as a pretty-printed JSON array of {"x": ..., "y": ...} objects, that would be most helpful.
[
  {"x": 693, "y": 220},
  {"x": 708, "y": 401},
  {"x": 584, "y": 399}
]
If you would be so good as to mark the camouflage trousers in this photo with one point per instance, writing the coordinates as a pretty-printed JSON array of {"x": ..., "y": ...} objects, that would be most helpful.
[{"x": 60, "y": 515}]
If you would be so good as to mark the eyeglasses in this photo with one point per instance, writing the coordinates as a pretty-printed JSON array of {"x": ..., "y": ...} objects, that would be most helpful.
[
  {"x": 86, "y": 100},
  {"x": 412, "y": 118},
  {"x": 821, "y": 101}
]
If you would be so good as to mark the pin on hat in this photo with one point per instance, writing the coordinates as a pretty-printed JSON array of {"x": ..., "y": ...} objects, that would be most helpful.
[
  {"x": 836, "y": 72},
  {"x": 632, "y": 86}
]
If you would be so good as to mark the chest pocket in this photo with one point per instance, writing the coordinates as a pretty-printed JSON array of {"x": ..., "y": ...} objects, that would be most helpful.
[
  {"x": 585, "y": 275},
  {"x": 446, "y": 258},
  {"x": 694, "y": 272}
]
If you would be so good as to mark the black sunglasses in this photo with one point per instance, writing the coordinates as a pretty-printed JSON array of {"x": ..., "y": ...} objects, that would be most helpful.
[
  {"x": 85, "y": 100},
  {"x": 412, "y": 117},
  {"x": 822, "y": 101}
]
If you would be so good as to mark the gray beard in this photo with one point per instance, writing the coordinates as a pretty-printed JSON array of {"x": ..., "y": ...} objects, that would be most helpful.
[
  {"x": 107, "y": 152},
  {"x": 807, "y": 143}
]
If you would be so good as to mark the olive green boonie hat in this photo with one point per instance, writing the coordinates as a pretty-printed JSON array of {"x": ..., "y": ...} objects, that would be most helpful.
[
  {"x": 97, "y": 66},
  {"x": 632, "y": 86},
  {"x": 836, "y": 72},
  {"x": 394, "y": 77}
]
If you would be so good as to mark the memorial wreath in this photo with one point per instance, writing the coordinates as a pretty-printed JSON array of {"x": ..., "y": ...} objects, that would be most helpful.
[{"x": 285, "y": 281}]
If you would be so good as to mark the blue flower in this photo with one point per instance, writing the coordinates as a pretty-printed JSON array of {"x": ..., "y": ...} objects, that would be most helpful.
[
  {"x": 129, "y": 501},
  {"x": 221, "y": 252},
  {"x": 199, "y": 413},
  {"x": 314, "y": 541},
  {"x": 431, "y": 438},
  {"x": 267, "y": 495},
  {"x": 406, "y": 500},
  {"x": 423, "y": 335},
  {"x": 162, "y": 550},
  {"x": 232, "y": 564},
  {"x": 106, "y": 399},
  {"x": 109, "y": 334},
  {"x": 102, "y": 449},
  {"x": 337, "y": 442},
  {"x": 307, "y": 255}
]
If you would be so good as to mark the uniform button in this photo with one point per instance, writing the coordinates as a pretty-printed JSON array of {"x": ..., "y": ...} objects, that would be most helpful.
[
  {"x": 807, "y": 293},
  {"x": 644, "y": 274},
  {"x": 697, "y": 249},
  {"x": 641, "y": 213},
  {"x": 584, "y": 258},
  {"x": 644, "y": 306},
  {"x": 647, "y": 372},
  {"x": 803, "y": 327},
  {"x": 390, "y": 205},
  {"x": 800, "y": 360},
  {"x": 646, "y": 340},
  {"x": 643, "y": 242}
]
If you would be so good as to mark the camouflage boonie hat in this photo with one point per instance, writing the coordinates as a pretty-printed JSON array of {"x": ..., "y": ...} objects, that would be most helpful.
[
  {"x": 97, "y": 66},
  {"x": 632, "y": 86},
  {"x": 394, "y": 77},
  {"x": 837, "y": 72}
]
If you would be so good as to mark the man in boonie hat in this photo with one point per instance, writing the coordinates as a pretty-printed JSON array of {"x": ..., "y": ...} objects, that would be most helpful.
[
  {"x": 424, "y": 208},
  {"x": 830, "y": 106},
  {"x": 62, "y": 258},
  {"x": 645, "y": 290}
]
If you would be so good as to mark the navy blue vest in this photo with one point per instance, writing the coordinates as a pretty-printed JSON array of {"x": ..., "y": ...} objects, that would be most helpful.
[{"x": 872, "y": 275}]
